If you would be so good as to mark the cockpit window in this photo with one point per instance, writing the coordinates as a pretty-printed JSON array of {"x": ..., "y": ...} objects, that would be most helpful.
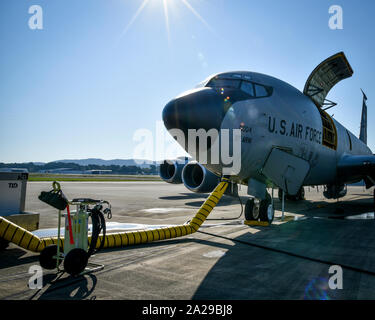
[
  {"x": 260, "y": 91},
  {"x": 224, "y": 83},
  {"x": 247, "y": 87}
]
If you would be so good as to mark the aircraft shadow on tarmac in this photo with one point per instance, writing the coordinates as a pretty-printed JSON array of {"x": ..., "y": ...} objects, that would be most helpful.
[
  {"x": 291, "y": 261},
  {"x": 344, "y": 207},
  {"x": 225, "y": 201},
  {"x": 335, "y": 210},
  {"x": 287, "y": 261},
  {"x": 185, "y": 195}
]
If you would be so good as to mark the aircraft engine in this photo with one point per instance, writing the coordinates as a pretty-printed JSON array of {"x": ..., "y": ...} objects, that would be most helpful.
[
  {"x": 170, "y": 171},
  {"x": 198, "y": 179}
]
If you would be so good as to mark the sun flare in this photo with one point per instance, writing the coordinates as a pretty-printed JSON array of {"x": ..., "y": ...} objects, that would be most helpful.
[{"x": 166, "y": 15}]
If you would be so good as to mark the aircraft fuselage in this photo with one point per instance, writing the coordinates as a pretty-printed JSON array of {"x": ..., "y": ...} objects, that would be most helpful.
[{"x": 281, "y": 117}]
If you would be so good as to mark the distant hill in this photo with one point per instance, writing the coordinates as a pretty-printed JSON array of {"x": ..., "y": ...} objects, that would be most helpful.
[
  {"x": 39, "y": 163},
  {"x": 116, "y": 166},
  {"x": 114, "y": 162}
]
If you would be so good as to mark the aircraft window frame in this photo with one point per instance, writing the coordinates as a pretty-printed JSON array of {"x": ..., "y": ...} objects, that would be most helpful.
[
  {"x": 225, "y": 83},
  {"x": 260, "y": 95},
  {"x": 251, "y": 85},
  {"x": 268, "y": 89}
]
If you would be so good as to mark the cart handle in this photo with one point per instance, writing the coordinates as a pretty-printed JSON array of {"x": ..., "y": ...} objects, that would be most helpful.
[{"x": 70, "y": 225}]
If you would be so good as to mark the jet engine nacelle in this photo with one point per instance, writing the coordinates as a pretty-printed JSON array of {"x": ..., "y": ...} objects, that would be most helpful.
[
  {"x": 198, "y": 179},
  {"x": 333, "y": 191},
  {"x": 171, "y": 171}
]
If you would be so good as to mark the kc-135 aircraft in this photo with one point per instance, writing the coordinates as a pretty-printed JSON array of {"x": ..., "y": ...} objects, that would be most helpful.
[{"x": 288, "y": 140}]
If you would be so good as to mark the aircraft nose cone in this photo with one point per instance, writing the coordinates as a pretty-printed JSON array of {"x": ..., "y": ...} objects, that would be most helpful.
[{"x": 199, "y": 108}]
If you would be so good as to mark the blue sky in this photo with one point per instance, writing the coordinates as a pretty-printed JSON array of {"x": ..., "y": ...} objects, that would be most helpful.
[{"x": 81, "y": 87}]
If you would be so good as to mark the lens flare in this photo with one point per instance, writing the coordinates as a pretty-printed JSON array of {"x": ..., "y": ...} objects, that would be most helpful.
[
  {"x": 166, "y": 16},
  {"x": 188, "y": 5},
  {"x": 165, "y": 5},
  {"x": 135, "y": 16}
]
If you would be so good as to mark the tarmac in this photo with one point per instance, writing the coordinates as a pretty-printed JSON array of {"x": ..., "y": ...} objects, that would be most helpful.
[{"x": 225, "y": 259}]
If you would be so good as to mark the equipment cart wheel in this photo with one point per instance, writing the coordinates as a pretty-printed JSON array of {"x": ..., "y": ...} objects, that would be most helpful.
[
  {"x": 75, "y": 261},
  {"x": 47, "y": 258}
]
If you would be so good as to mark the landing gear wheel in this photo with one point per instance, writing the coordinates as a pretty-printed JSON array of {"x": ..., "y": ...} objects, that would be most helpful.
[
  {"x": 75, "y": 261},
  {"x": 251, "y": 210},
  {"x": 266, "y": 210},
  {"x": 46, "y": 258},
  {"x": 299, "y": 196},
  {"x": 3, "y": 244}
]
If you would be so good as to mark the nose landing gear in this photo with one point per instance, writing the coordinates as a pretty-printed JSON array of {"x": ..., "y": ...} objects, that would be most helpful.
[{"x": 260, "y": 210}]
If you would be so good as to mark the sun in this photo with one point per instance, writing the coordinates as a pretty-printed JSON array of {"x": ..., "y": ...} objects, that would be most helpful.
[{"x": 166, "y": 15}]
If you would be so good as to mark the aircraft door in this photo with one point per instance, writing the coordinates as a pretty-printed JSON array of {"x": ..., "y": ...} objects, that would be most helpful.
[{"x": 285, "y": 170}]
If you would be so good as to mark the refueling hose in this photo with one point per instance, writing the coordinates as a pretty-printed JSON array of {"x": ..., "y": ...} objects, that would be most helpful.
[
  {"x": 25, "y": 239},
  {"x": 98, "y": 226}
]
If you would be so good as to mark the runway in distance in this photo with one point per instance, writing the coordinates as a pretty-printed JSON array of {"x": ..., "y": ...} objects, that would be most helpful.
[{"x": 287, "y": 139}]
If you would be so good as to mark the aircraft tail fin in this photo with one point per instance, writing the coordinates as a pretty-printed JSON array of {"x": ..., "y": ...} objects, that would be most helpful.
[{"x": 363, "y": 132}]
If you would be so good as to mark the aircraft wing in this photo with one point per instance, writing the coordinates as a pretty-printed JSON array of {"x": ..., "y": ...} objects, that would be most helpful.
[{"x": 357, "y": 166}]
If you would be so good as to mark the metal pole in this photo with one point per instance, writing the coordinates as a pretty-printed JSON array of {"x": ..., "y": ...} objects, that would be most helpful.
[
  {"x": 76, "y": 236},
  {"x": 283, "y": 206},
  {"x": 58, "y": 241}
]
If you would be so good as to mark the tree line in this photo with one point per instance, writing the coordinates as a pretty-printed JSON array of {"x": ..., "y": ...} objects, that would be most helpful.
[{"x": 116, "y": 169}]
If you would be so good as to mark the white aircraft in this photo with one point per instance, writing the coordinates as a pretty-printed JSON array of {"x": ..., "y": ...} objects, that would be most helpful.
[{"x": 287, "y": 138}]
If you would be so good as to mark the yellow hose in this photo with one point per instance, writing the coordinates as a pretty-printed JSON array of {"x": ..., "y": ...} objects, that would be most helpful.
[{"x": 25, "y": 239}]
